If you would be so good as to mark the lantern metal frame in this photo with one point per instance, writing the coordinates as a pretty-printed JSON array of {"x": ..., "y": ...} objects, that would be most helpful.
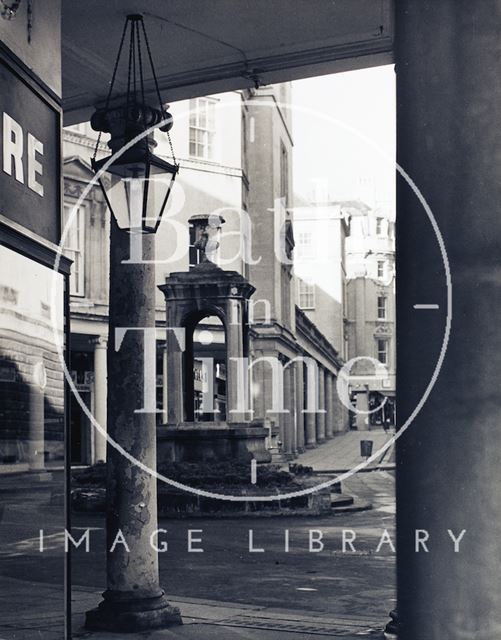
[
  {"x": 130, "y": 120},
  {"x": 154, "y": 161}
]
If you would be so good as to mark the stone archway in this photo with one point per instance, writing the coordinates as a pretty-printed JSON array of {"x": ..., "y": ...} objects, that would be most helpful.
[
  {"x": 204, "y": 365},
  {"x": 191, "y": 296}
]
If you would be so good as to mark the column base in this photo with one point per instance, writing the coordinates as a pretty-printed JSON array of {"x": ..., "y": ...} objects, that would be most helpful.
[
  {"x": 310, "y": 445},
  {"x": 122, "y": 612},
  {"x": 391, "y": 629}
]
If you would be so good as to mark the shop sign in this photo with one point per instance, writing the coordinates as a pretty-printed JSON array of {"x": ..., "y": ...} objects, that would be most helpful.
[{"x": 29, "y": 156}]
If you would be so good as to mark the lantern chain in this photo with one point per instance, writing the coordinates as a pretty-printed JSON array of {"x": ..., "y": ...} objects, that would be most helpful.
[
  {"x": 134, "y": 26},
  {"x": 130, "y": 70},
  {"x": 113, "y": 77},
  {"x": 131, "y": 75},
  {"x": 141, "y": 78},
  {"x": 157, "y": 88}
]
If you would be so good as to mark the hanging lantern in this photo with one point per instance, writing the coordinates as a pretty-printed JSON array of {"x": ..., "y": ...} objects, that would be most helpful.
[{"x": 136, "y": 184}]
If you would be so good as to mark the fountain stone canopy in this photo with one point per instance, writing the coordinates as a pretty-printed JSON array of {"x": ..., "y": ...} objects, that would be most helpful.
[{"x": 202, "y": 292}]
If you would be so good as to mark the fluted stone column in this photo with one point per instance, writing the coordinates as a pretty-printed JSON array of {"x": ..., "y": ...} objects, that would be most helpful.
[
  {"x": 321, "y": 406},
  {"x": 329, "y": 405},
  {"x": 300, "y": 416},
  {"x": 100, "y": 394}
]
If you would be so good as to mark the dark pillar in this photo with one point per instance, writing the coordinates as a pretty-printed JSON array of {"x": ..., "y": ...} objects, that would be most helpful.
[
  {"x": 189, "y": 382},
  {"x": 448, "y": 57},
  {"x": 133, "y": 600},
  {"x": 321, "y": 406},
  {"x": 329, "y": 405},
  {"x": 175, "y": 343},
  {"x": 311, "y": 432}
]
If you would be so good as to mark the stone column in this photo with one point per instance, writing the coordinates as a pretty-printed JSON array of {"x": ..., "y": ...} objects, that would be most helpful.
[
  {"x": 258, "y": 387},
  {"x": 133, "y": 600},
  {"x": 100, "y": 393},
  {"x": 288, "y": 416},
  {"x": 448, "y": 61},
  {"x": 339, "y": 411},
  {"x": 300, "y": 416},
  {"x": 362, "y": 406},
  {"x": 310, "y": 409},
  {"x": 236, "y": 385},
  {"x": 175, "y": 342},
  {"x": 321, "y": 406},
  {"x": 292, "y": 409},
  {"x": 329, "y": 405},
  {"x": 311, "y": 430}
]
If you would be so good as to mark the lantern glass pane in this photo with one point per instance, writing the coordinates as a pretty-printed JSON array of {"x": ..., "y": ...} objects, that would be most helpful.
[
  {"x": 137, "y": 193},
  {"x": 158, "y": 188},
  {"x": 123, "y": 188}
]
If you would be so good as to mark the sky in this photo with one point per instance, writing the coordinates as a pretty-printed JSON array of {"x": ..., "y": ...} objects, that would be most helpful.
[{"x": 340, "y": 161}]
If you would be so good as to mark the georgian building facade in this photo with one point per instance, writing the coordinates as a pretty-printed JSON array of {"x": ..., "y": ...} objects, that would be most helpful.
[
  {"x": 370, "y": 263},
  {"x": 235, "y": 151}
]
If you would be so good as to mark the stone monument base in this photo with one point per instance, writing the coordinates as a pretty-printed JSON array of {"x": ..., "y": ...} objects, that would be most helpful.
[{"x": 211, "y": 441}]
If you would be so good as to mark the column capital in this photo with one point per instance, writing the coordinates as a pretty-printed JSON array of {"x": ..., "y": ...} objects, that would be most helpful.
[{"x": 99, "y": 342}]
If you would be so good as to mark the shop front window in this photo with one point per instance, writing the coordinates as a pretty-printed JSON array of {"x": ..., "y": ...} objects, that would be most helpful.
[{"x": 32, "y": 443}]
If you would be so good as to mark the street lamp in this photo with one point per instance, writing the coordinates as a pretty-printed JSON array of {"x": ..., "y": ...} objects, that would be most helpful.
[{"x": 136, "y": 184}]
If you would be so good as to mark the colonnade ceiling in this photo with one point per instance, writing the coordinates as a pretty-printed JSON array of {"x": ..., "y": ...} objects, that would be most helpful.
[{"x": 201, "y": 47}]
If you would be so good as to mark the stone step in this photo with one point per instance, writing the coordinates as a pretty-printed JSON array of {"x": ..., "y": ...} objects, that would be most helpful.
[
  {"x": 341, "y": 500},
  {"x": 347, "y": 504}
]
